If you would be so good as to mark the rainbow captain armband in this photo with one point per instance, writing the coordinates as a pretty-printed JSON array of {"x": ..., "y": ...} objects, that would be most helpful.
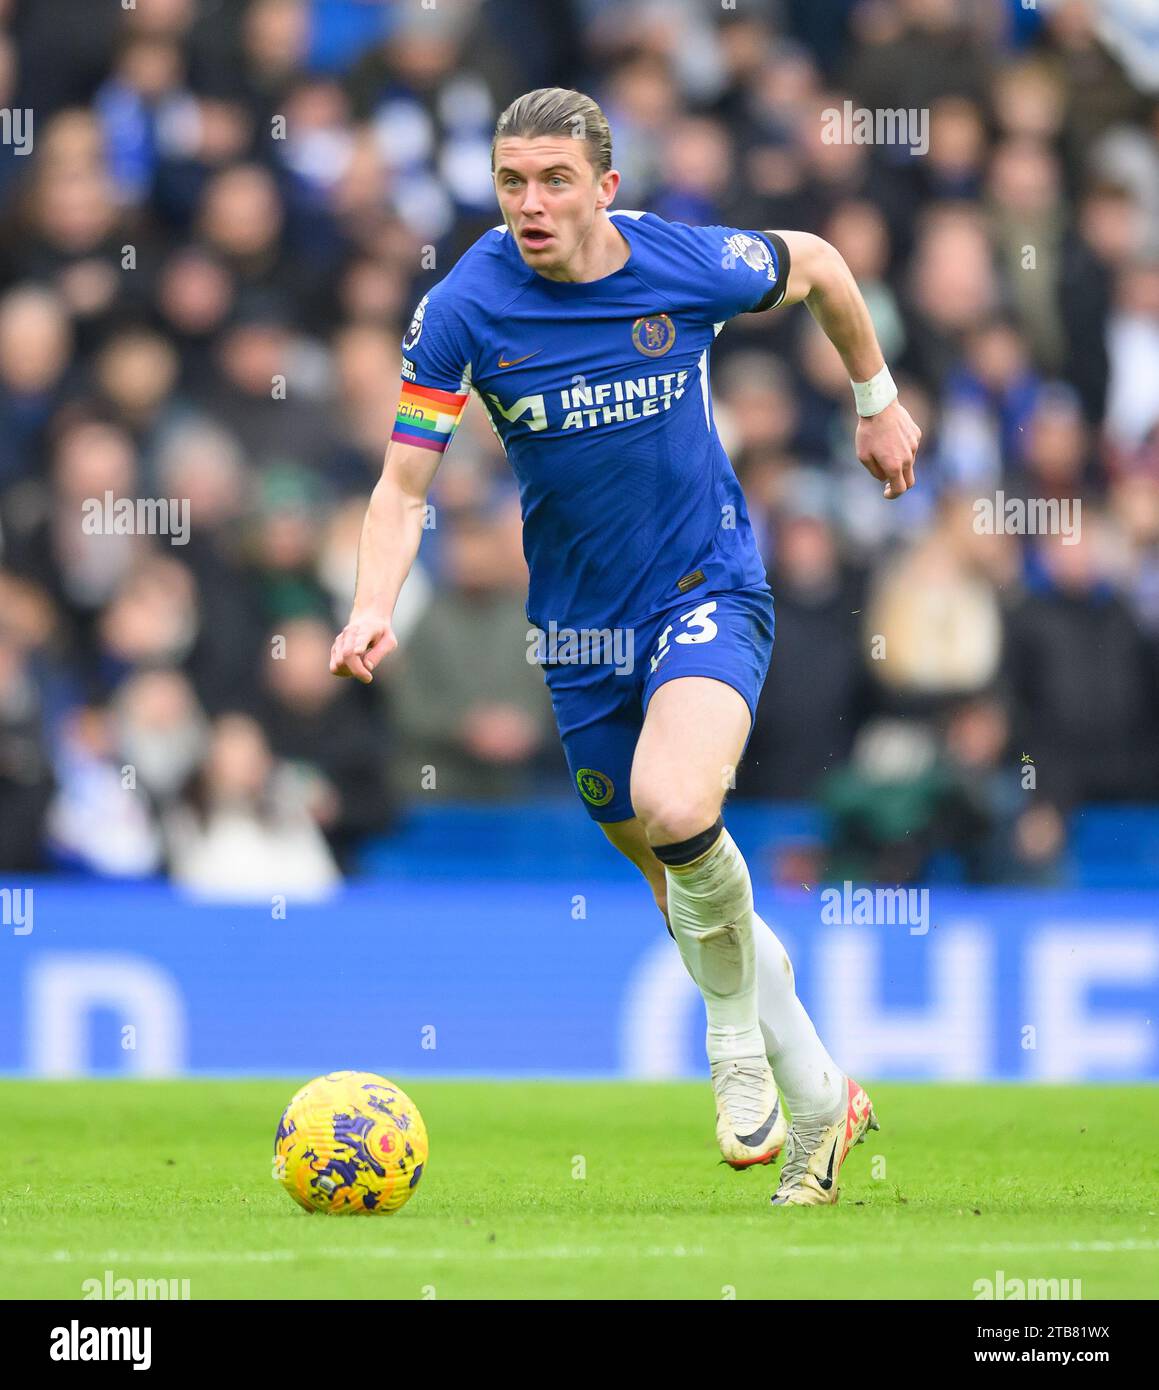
[{"x": 427, "y": 417}]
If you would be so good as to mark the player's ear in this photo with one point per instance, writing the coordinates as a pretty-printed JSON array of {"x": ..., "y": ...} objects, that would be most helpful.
[{"x": 608, "y": 183}]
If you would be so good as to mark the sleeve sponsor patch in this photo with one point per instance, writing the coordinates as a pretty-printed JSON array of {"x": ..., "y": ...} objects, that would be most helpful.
[
  {"x": 414, "y": 332},
  {"x": 752, "y": 250}
]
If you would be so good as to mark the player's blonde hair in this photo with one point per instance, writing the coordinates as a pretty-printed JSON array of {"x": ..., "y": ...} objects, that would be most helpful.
[{"x": 558, "y": 111}]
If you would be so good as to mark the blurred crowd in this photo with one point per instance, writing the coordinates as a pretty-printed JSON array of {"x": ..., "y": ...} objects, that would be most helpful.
[{"x": 209, "y": 250}]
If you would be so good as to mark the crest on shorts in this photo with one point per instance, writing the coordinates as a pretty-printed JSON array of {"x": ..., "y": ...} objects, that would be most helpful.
[
  {"x": 654, "y": 334},
  {"x": 595, "y": 788}
]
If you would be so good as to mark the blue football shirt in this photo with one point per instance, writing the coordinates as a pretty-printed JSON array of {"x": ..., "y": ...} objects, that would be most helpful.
[{"x": 599, "y": 394}]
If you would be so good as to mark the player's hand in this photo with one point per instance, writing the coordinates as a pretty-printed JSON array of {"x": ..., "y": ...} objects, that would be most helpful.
[
  {"x": 361, "y": 645},
  {"x": 887, "y": 444}
]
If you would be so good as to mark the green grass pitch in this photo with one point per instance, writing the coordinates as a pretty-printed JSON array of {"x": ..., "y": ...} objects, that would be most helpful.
[{"x": 578, "y": 1190}]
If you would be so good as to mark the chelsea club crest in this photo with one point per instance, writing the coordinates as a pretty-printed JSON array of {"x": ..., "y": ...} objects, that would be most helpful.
[{"x": 654, "y": 334}]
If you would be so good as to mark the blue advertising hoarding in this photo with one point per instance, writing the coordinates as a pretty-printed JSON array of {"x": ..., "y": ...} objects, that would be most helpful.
[{"x": 488, "y": 977}]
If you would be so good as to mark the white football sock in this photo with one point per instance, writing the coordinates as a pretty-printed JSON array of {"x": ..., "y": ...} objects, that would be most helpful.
[
  {"x": 710, "y": 908},
  {"x": 810, "y": 1081}
]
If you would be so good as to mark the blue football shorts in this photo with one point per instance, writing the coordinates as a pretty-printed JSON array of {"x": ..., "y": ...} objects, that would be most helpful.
[{"x": 600, "y": 689}]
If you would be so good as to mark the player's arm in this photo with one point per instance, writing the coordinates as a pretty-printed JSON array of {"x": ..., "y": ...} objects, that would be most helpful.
[
  {"x": 887, "y": 438},
  {"x": 432, "y": 397},
  {"x": 387, "y": 548}
]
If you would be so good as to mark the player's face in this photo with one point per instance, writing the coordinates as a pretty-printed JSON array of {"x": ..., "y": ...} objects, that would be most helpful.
[{"x": 549, "y": 193}]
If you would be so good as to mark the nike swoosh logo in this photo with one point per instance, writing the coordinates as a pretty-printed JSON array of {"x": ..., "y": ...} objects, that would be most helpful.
[
  {"x": 759, "y": 1135},
  {"x": 826, "y": 1182},
  {"x": 515, "y": 361}
]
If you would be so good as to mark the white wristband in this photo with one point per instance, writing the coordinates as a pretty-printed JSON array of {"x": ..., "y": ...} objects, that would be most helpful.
[{"x": 874, "y": 395}]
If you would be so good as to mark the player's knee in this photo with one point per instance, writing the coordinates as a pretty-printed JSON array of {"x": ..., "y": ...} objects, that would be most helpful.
[{"x": 670, "y": 820}]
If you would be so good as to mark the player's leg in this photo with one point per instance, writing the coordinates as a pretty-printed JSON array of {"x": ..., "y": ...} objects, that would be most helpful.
[
  {"x": 810, "y": 1081},
  {"x": 689, "y": 746},
  {"x": 628, "y": 837},
  {"x": 831, "y": 1112},
  {"x": 600, "y": 722},
  {"x": 694, "y": 729}
]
